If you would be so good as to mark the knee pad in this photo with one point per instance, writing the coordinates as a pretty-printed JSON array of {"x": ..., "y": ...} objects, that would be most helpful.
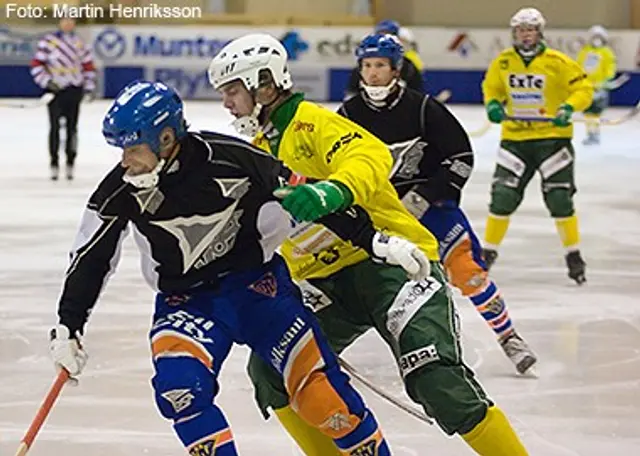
[
  {"x": 183, "y": 386},
  {"x": 450, "y": 394},
  {"x": 465, "y": 273},
  {"x": 559, "y": 201},
  {"x": 504, "y": 200},
  {"x": 320, "y": 404}
]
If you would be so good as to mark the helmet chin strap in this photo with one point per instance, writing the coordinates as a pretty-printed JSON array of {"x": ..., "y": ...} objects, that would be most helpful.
[
  {"x": 145, "y": 180},
  {"x": 378, "y": 94},
  {"x": 248, "y": 125}
]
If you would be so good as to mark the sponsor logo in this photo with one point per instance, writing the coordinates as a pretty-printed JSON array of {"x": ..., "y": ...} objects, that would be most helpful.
[
  {"x": 279, "y": 352},
  {"x": 462, "y": 44},
  {"x": 526, "y": 81},
  {"x": 294, "y": 45},
  {"x": 180, "y": 399},
  {"x": 368, "y": 448},
  {"x": 17, "y": 46},
  {"x": 411, "y": 298},
  {"x": 343, "y": 141},
  {"x": 418, "y": 358},
  {"x": 110, "y": 44},
  {"x": 176, "y": 300},
  {"x": 299, "y": 125}
]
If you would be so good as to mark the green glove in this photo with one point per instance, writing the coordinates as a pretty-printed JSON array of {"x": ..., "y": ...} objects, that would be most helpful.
[
  {"x": 309, "y": 202},
  {"x": 563, "y": 116},
  {"x": 495, "y": 111}
]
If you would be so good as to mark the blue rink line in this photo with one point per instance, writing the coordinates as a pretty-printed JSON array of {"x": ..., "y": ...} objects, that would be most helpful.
[{"x": 465, "y": 85}]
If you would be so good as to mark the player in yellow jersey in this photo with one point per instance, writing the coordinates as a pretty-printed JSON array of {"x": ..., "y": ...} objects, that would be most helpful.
[
  {"x": 410, "y": 49},
  {"x": 350, "y": 292},
  {"x": 599, "y": 62},
  {"x": 531, "y": 80}
]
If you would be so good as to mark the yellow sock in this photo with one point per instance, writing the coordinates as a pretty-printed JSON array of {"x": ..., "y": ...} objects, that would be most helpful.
[
  {"x": 497, "y": 226},
  {"x": 310, "y": 440},
  {"x": 568, "y": 230},
  {"x": 494, "y": 436}
]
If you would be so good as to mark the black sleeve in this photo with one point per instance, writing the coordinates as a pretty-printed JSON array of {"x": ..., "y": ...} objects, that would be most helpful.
[
  {"x": 95, "y": 254},
  {"x": 447, "y": 137},
  {"x": 412, "y": 76},
  {"x": 354, "y": 225}
]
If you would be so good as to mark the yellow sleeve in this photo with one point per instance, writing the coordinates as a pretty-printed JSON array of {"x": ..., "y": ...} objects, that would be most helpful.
[
  {"x": 579, "y": 86},
  {"x": 354, "y": 156},
  {"x": 414, "y": 57},
  {"x": 611, "y": 64},
  {"x": 581, "y": 57},
  {"x": 492, "y": 85}
]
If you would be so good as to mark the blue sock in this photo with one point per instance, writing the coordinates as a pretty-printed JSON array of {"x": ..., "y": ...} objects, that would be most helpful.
[
  {"x": 366, "y": 439},
  {"x": 206, "y": 433},
  {"x": 493, "y": 309}
]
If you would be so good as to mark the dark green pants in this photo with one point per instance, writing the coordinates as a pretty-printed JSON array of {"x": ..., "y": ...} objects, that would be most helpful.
[
  {"x": 518, "y": 161},
  {"x": 416, "y": 319}
]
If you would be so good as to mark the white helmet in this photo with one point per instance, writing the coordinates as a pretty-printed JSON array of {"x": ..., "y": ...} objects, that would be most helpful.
[
  {"x": 598, "y": 34},
  {"x": 245, "y": 57},
  {"x": 528, "y": 16},
  {"x": 531, "y": 17}
]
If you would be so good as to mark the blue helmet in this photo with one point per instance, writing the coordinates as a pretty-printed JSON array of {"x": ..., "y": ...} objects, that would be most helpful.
[
  {"x": 387, "y": 26},
  {"x": 140, "y": 112},
  {"x": 387, "y": 46}
]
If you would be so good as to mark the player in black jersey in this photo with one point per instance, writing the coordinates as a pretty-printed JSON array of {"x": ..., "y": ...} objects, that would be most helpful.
[
  {"x": 410, "y": 75},
  {"x": 433, "y": 159},
  {"x": 203, "y": 213}
]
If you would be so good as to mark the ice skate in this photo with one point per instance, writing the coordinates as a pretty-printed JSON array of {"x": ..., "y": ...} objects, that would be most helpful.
[
  {"x": 518, "y": 352},
  {"x": 576, "y": 266}
]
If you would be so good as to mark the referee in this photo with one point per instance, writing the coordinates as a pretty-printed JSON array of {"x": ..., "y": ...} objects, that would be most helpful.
[{"x": 64, "y": 66}]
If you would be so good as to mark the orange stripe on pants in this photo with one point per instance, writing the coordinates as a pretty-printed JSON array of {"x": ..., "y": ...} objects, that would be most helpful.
[
  {"x": 312, "y": 395},
  {"x": 464, "y": 273},
  {"x": 167, "y": 343}
]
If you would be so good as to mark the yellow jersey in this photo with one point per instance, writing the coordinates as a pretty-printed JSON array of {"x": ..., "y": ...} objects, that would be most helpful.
[
  {"x": 414, "y": 58},
  {"x": 318, "y": 143},
  {"x": 599, "y": 63},
  {"x": 537, "y": 89}
]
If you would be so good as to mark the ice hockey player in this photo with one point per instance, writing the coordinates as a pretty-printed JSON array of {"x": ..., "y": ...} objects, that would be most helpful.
[
  {"x": 433, "y": 160},
  {"x": 410, "y": 75},
  {"x": 599, "y": 62},
  {"x": 350, "y": 292},
  {"x": 408, "y": 40},
  {"x": 203, "y": 213},
  {"x": 531, "y": 80}
]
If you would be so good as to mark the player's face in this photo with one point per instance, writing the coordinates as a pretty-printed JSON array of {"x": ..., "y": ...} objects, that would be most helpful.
[
  {"x": 138, "y": 159},
  {"x": 377, "y": 71},
  {"x": 237, "y": 99},
  {"x": 67, "y": 25},
  {"x": 526, "y": 35}
]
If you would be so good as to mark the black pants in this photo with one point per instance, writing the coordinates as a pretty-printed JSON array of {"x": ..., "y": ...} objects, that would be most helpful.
[{"x": 66, "y": 104}]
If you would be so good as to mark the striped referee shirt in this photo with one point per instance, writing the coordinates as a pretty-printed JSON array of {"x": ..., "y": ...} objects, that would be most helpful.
[{"x": 63, "y": 59}]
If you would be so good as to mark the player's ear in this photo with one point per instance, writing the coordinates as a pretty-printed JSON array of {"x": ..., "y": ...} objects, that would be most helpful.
[{"x": 167, "y": 139}]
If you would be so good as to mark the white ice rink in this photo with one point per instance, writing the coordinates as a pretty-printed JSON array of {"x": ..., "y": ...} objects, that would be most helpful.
[{"x": 586, "y": 400}]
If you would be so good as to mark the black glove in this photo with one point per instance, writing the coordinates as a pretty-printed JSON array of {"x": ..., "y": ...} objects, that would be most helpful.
[{"x": 52, "y": 87}]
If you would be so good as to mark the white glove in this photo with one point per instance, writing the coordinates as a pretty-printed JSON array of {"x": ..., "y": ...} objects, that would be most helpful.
[
  {"x": 400, "y": 252},
  {"x": 67, "y": 352}
]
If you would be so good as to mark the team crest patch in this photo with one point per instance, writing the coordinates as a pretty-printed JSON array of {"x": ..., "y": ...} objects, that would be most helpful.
[
  {"x": 266, "y": 285},
  {"x": 176, "y": 300}
]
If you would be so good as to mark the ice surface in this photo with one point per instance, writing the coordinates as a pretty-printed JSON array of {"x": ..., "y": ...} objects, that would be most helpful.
[{"x": 585, "y": 402}]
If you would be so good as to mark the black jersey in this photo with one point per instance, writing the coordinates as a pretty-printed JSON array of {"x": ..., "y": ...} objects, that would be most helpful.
[
  {"x": 432, "y": 152},
  {"x": 212, "y": 213},
  {"x": 408, "y": 73}
]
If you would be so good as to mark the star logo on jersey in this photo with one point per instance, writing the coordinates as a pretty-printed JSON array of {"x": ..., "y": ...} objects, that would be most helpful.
[{"x": 196, "y": 233}]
